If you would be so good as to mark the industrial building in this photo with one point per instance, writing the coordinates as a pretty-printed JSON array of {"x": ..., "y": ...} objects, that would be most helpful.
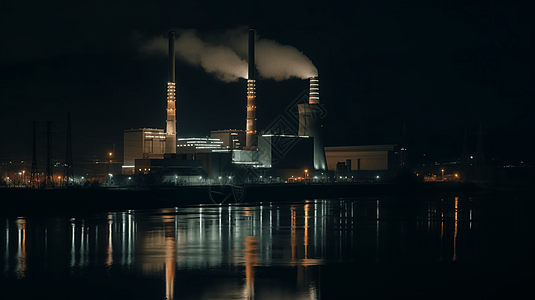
[
  {"x": 231, "y": 138},
  {"x": 265, "y": 158},
  {"x": 142, "y": 143},
  {"x": 370, "y": 163},
  {"x": 153, "y": 151}
]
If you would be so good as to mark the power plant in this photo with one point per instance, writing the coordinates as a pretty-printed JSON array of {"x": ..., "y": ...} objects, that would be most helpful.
[{"x": 267, "y": 157}]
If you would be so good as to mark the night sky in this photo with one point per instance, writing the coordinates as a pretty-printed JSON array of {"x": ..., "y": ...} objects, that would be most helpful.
[{"x": 440, "y": 66}]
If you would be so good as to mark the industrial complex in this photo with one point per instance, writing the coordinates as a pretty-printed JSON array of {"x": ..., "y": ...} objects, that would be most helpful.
[
  {"x": 158, "y": 157},
  {"x": 248, "y": 155}
]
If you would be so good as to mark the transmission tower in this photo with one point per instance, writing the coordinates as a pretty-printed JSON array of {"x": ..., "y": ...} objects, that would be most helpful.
[
  {"x": 34, "y": 178},
  {"x": 67, "y": 172}
]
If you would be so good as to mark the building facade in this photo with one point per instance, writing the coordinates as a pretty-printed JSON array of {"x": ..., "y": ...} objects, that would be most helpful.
[{"x": 142, "y": 143}]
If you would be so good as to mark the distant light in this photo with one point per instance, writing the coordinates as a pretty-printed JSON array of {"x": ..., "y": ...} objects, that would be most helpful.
[
  {"x": 129, "y": 178},
  {"x": 471, "y": 157},
  {"x": 377, "y": 176}
]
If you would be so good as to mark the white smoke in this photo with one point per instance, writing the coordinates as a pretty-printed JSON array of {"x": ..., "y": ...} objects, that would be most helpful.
[
  {"x": 281, "y": 62},
  {"x": 216, "y": 59},
  {"x": 225, "y": 55}
]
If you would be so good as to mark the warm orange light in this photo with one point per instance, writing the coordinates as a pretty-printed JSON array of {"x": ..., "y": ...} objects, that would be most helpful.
[
  {"x": 456, "y": 175},
  {"x": 110, "y": 153},
  {"x": 306, "y": 171}
]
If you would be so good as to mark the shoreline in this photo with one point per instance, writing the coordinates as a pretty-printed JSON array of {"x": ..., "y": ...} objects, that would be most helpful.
[{"x": 16, "y": 201}]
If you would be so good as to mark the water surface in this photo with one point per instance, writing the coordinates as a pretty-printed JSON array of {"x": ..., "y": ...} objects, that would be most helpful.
[{"x": 388, "y": 247}]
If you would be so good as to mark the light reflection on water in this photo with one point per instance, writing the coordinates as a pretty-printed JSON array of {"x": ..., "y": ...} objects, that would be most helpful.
[{"x": 240, "y": 239}]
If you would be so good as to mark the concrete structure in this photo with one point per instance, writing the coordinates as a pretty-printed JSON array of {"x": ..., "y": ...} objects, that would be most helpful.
[
  {"x": 231, "y": 138},
  {"x": 310, "y": 123},
  {"x": 376, "y": 163},
  {"x": 284, "y": 156},
  {"x": 251, "y": 139},
  {"x": 170, "y": 132},
  {"x": 142, "y": 143}
]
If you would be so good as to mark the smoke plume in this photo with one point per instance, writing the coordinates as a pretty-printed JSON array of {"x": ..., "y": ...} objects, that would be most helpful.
[
  {"x": 225, "y": 55},
  {"x": 216, "y": 59}
]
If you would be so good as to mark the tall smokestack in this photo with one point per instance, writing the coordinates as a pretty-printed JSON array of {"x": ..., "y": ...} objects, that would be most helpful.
[
  {"x": 310, "y": 123},
  {"x": 251, "y": 137},
  {"x": 170, "y": 133},
  {"x": 314, "y": 94}
]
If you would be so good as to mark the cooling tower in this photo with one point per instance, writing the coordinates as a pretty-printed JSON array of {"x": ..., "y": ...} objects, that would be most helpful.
[{"x": 310, "y": 123}]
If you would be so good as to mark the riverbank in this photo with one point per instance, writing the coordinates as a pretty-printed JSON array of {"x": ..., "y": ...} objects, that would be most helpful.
[{"x": 29, "y": 201}]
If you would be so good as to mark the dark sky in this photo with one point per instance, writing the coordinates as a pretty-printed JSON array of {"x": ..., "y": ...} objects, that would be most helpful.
[{"x": 440, "y": 66}]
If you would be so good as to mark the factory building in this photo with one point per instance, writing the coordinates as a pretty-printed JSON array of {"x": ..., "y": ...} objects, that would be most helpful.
[
  {"x": 142, "y": 143},
  {"x": 231, "y": 138},
  {"x": 285, "y": 157},
  {"x": 280, "y": 157},
  {"x": 370, "y": 163}
]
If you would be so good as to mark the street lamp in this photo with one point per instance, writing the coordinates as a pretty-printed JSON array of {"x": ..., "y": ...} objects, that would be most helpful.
[{"x": 442, "y": 174}]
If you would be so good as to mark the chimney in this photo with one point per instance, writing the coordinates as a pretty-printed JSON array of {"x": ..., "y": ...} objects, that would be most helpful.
[
  {"x": 250, "y": 128},
  {"x": 310, "y": 123},
  {"x": 170, "y": 132},
  {"x": 314, "y": 94}
]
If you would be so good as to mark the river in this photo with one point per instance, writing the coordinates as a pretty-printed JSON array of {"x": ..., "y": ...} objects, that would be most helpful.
[{"x": 427, "y": 247}]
